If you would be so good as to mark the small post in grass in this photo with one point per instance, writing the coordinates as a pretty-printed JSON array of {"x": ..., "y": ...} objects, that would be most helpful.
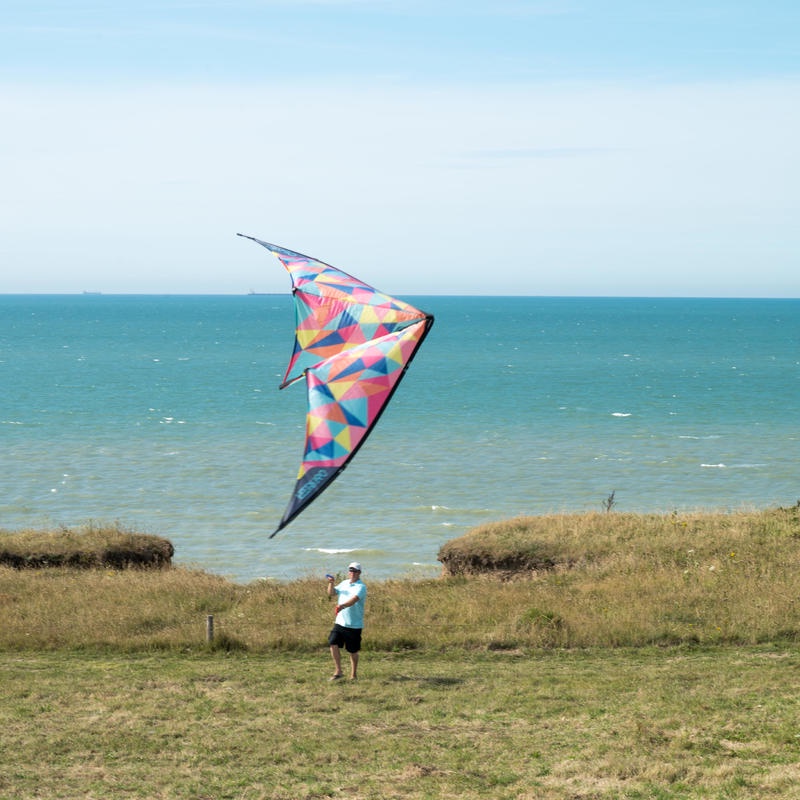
[{"x": 210, "y": 628}]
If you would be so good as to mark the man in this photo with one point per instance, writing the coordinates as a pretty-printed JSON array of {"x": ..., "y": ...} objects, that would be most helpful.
[{"x": 351, "y": 594}]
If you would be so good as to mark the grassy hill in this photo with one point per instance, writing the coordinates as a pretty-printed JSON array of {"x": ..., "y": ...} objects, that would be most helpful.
[
  {"x": 601, "y": 656},
  {"x": 574, "y": 581}
]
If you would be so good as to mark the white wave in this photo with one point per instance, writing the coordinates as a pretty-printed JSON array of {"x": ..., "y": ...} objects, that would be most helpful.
[
  {"x": 328, "y": 551},
  {"x": 744, "y": 465},
  {"x": 620, "y": 414},
  {"x": 450, "y": 510}
]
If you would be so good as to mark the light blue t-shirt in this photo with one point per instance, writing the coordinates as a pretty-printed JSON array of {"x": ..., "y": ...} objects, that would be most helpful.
[{"x": 353, "y": 616}]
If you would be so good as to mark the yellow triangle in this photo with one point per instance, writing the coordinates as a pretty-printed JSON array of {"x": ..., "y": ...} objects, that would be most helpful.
[
  {"x": 368, "y": 315},
  {"x": 343, "y": 438},
  {"x": 306, "y": 337},
  {"x": 339, "y": 388}
]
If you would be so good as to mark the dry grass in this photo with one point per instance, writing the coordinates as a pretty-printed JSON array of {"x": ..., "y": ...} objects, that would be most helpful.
[
  {"x": 621, "y": 541},
  {"x": 89, "y": 546},
  {"x": 617, "y": 581},
  {"x": 629, "y": 580}
]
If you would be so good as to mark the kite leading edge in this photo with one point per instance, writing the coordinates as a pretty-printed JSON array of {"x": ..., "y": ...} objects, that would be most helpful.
[{"x": 353, "y": 344}]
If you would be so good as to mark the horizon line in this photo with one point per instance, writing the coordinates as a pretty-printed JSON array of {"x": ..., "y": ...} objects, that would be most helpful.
[{"x": 288, "y": 295}]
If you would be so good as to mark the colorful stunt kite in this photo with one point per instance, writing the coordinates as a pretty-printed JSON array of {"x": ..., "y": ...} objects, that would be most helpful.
[{"x": 353, "y": 344}]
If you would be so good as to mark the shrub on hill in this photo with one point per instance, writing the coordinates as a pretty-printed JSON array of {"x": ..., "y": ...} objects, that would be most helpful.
[
  {"x": 527, "y": 545},
  {"x": 91, "y": 546}
]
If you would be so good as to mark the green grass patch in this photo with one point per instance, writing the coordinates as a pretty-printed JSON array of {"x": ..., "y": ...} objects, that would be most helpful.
[{"x": 672, "y": 723}]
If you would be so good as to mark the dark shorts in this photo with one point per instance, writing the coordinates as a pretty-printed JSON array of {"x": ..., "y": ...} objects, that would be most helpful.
[{"x": 349, "y": 638}]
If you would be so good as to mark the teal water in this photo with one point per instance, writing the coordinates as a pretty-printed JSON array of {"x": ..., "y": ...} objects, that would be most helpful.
[{"x": 163, "y": 413}]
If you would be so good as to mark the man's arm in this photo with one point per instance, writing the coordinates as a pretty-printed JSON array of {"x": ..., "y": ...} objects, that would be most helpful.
[{"x": 360, "y": 593}]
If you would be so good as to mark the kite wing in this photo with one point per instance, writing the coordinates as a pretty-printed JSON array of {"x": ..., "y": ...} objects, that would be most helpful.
[
  {"x": 353, "y": 344},
  {"x": 334, "y": 311}
]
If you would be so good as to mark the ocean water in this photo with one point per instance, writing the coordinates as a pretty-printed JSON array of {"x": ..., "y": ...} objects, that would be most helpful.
[{"x": 163, "y": 413}]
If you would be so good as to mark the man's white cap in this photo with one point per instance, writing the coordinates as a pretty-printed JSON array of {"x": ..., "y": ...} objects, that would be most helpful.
[{"x": 354, "y": 565}]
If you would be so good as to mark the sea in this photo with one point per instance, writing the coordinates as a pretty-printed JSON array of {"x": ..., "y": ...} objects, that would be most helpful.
[{"x": 163, "y": 414}]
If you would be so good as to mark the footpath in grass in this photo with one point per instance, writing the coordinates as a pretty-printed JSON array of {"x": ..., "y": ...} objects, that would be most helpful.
[{"x": 648, "y": 723}]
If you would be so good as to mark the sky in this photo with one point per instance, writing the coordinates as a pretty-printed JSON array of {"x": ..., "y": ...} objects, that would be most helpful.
[{"x": 541, "y": 147}]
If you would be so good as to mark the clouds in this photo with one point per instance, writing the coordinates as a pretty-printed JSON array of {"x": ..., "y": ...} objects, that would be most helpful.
[{"x": 547, "y": 189}]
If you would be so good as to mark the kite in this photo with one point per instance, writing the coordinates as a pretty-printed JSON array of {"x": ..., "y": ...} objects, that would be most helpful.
[{"x": 353, "y": 344}]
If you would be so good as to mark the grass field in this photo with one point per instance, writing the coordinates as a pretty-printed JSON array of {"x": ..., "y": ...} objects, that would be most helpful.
[
  {"x": 653, "y": 657},
  {"x": 644, "y": 723}
]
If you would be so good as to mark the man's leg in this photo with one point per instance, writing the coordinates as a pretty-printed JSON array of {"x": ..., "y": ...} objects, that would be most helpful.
[
  {"x": 353, "y": 666},
  {"x": 337, "y": 661}
]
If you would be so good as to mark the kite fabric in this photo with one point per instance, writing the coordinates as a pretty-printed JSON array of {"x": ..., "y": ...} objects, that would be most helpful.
[{"x": 353, "y": 344}]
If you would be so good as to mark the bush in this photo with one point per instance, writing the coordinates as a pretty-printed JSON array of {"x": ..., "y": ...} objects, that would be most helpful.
[
  {"x": 106, "y": 546},
  {"x": 529, "y": 545}
]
